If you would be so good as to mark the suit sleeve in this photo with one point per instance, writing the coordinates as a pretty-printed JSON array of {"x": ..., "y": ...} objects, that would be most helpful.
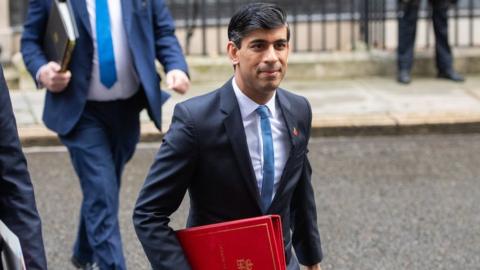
[
  {"x": 17, "y": 202},
  {"x": 32, "y": 38},
  {"x": 163, "y": 191},
  {"x": 168, "y": 50},
  {"x": 305, "y": 234}
]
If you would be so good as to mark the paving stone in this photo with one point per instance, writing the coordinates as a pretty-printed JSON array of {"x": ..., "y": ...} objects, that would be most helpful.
[{"x": 356, "y": 102}]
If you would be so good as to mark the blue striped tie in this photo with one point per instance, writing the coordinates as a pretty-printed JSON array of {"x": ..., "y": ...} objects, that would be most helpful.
[
  {"x": 268, "y": 158},
  {"x": 106, "y": 58}
]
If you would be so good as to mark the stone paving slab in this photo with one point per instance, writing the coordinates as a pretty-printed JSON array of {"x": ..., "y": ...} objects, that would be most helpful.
[
  {"x": 339, "y": 107},
  {"x": 472, "y": 86},
  {"x": 35, "y": 100}
]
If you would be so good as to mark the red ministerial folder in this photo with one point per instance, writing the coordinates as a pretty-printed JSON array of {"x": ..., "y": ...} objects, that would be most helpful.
[{"x": 245, "y": 244}]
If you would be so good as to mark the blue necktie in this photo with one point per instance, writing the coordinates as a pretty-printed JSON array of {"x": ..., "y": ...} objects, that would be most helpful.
[
  {"x": 106, "y": 58},
  {"x": 268, "y": 158}
]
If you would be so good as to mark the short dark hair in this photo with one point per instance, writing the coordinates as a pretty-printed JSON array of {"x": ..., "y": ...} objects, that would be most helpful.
[{"x": 253, "y": 17}]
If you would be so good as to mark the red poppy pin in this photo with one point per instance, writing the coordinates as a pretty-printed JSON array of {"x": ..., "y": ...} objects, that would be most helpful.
[{"x": 295, "y": 132}]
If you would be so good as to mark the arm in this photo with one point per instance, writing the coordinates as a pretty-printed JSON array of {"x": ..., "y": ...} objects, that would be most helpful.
[
  {"x": 32, "y": 38},
  {"x": 168, "y": 50},
  {"x": 17, "y": 202},
  {"x": 163, "y": 191},
  {"x": 305, "y": 235},
  {"x": 44, "y": 73}
]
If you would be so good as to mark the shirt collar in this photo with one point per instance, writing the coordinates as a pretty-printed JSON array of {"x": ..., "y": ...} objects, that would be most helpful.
[{"x": 248, "y": 106}]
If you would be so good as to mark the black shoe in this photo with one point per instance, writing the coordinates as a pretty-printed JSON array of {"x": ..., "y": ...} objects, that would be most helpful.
[
  {"x": 403, "y": 76},
  {"x": 77, "y": 263},
  {"x": 451, "y": 75},
  {"x": 84, "y": 266}
]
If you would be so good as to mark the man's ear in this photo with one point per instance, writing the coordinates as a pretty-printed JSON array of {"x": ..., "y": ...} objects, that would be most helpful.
[{"x": 232, "y": 51}]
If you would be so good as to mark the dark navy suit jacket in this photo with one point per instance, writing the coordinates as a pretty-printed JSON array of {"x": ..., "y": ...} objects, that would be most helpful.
[
  {"x": 205, "y": 152},
  {"x": 150, "y": 34},
  {"x": 17, "y": 202}
]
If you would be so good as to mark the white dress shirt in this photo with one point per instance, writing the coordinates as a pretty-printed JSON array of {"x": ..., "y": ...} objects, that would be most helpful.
[
  {"x": 127, "y": 80},
  {"x": 253, "y": 131}
]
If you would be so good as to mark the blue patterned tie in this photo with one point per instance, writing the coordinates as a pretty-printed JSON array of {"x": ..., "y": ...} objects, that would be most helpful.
[
  {"x": 106, "y": 58},
  {"x": 268, "y": 158}
]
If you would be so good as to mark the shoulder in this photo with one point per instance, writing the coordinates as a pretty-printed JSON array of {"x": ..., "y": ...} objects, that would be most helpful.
[
  {"x": 212, "y": 101},
  {"x": 296, "y": 103},
  {"x": 292, "y": 96},
  {"x": 199, "y": 110},
  {"x": 200, "y": 104}
]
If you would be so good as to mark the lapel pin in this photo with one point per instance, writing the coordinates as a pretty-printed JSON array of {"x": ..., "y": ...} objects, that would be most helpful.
[{"x": 295, "y": 132}]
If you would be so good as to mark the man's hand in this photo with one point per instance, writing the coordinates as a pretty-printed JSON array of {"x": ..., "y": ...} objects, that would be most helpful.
[
  {"x": 178, "y": 81},
  {"x": 51, "y": 77},
  {"x": 313, "y": 267}
]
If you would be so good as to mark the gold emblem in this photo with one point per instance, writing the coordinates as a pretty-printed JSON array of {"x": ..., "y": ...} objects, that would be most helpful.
[
  {"x": 55, "y": 37},
  {"x": 244, "y": 264}
]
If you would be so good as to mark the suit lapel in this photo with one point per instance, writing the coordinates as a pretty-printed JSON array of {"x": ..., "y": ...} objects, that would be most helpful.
[
  {"x": 291, "y": 124},
  {"x": 126, "y": 15},
  {"x": 80, "y": 8},
  {"x": 236, "y": 133},
  {"x": 288, "y": 116}
]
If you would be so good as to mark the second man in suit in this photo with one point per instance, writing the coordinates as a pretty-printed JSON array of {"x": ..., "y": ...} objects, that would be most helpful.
[
  {"x": 240, "y": 151},
  {"x": 407, "y": 27},
  {"x": 94, "y": 107}
]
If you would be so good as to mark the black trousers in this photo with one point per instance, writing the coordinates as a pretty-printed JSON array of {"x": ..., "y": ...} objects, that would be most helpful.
[{"x": 407, "y": 24}]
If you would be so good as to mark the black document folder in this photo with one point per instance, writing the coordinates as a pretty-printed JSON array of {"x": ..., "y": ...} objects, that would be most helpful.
[{"x": 61, "y": 33}]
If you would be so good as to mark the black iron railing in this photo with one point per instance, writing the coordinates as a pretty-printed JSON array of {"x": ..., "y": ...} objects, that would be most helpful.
[
  {"x": 321, "y": 25},
  {"x": 317, "y": 25}
]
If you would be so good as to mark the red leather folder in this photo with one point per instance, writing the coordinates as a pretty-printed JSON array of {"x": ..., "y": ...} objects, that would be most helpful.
[{"x": 245, "y": 244}]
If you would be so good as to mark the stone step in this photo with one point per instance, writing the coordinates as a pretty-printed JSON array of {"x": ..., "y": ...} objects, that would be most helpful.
[
  {"x": 12, "y": 77},
  {"x": 341, "y": 65},
  {"x": 327, "y": 65}
]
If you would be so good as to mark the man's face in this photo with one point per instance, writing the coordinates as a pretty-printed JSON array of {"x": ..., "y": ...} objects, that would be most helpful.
[{"x": 261, "y": 62}]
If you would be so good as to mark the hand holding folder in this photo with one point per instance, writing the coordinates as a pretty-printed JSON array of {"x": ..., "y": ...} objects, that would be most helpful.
[{"x": 246, "y": 244}]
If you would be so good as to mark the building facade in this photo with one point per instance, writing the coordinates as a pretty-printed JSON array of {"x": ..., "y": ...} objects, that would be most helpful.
[{"x": 12, "y": 15}]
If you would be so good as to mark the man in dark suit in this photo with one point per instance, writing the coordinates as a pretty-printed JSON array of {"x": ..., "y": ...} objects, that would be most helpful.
[
  {"x": 240, "y": 151},
  {"x": 407, "y": 27},
  {"x": 94, "y": 107},
  {"x": 17, "y": 200}
]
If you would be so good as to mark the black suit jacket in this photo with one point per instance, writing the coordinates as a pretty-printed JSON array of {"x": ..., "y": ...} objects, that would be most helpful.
[
  {"x": 17, "y": 203},
  {"x": 205, "y": 152}
]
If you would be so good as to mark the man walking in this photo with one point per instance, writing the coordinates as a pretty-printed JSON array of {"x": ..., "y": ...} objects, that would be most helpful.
[
  {"x": 94, "y": 107},
  {"x": 240, "y": 151}
]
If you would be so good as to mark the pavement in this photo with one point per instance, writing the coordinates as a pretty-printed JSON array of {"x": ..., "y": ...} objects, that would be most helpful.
[
  {"x": 383, "y": 202},
  {"x": 341, "y": 107}
]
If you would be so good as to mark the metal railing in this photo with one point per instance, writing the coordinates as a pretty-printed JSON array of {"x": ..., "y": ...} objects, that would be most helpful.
[
  {"x": 317, "y": 25},
  {"x": 322, "y": 25}
]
